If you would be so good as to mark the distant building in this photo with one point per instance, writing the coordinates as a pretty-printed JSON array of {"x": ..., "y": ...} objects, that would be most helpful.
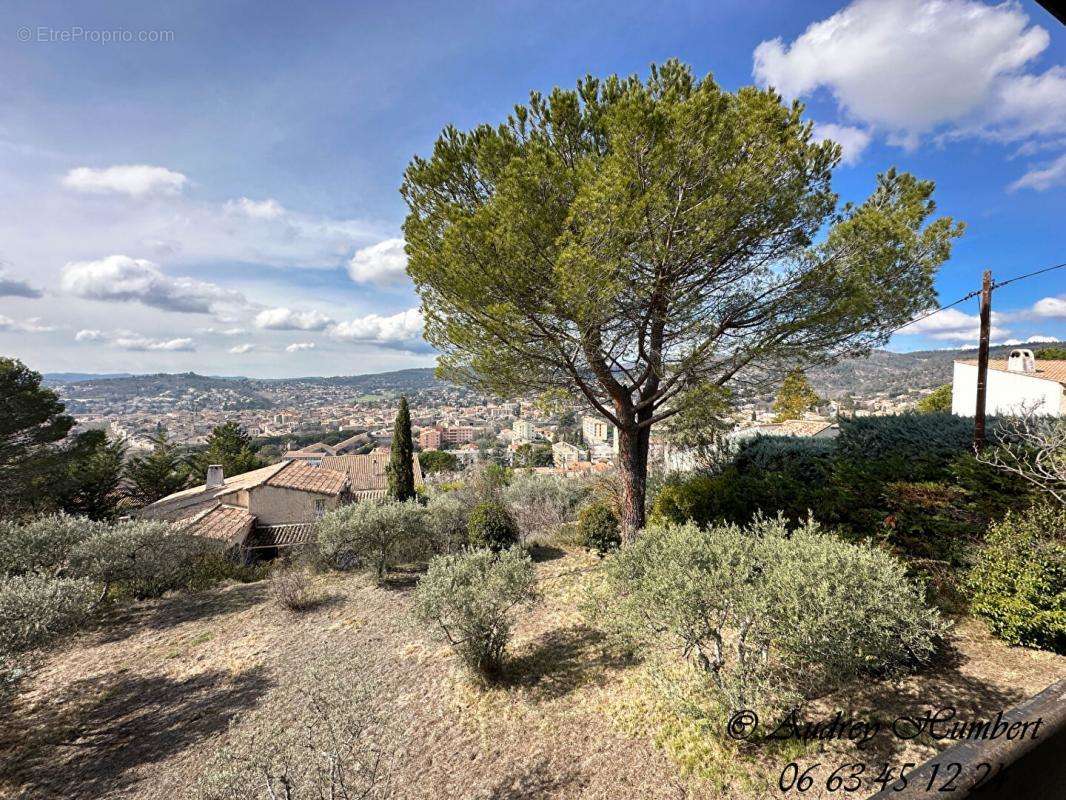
[
  {"x": 1021, "y": 383},
  {"x": 594, "y": 429},
  {"x": 429, "y": 439},
  {"x": 460, "y": 434},
  {"x": 524, "y": 430},
  {"x": 564, "y": 453},
  {"x": 806, "y": 428}
]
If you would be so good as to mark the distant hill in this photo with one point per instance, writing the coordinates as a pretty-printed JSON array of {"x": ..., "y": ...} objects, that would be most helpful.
[
  {"x": 78, "y": 377},
  {"x": 896, "y": 373},
  {"x": 883, "y": 373}
]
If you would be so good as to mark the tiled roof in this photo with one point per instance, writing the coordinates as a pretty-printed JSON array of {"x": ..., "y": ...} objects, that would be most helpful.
[
  {"x": 1048, "y": 370},
  {"x": 366, "y": 472},
  {"x": 222, "y": 523},
  {"x": 284, "y": 535},
  {"x": 188, "y": 502},
  {"x": 304, "y": 477}
]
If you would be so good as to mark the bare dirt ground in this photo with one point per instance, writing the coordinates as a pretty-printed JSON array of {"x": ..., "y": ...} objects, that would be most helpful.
[{"x": 138, "y": 707}]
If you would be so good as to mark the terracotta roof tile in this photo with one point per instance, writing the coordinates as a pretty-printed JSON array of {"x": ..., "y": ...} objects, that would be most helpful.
[
  {"x": 304, "y": 477},
  {"x": 284, "y": 535},
  {"x": 1048, "y": 370},
  {"x": 222, "y": 523},
  {"x": 366, "y": 472}
]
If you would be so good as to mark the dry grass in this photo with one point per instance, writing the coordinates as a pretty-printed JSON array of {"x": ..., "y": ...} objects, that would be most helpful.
[{"x": 139, "y": 707}]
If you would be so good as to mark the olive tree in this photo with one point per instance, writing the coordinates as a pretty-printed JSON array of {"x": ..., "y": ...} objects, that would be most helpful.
[{"x": 634, "y": 244}]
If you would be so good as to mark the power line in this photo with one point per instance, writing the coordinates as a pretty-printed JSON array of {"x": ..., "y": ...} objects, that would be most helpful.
[
  {"x": 971, "y": 295},
  {"x": 998, "y": 284}
]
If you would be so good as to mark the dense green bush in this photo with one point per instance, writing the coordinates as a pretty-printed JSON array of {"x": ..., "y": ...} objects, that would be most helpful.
[
  {"x": 42, "y": 545},
  {"x": 598, "y": 528},
  {"x": 34, "y": 609},
  {"x": 905, "y": 447},
  {"x": 770, "y": 617},
  {"x": 139, "y": 558},
  {"x": 1019, "y": 582},
  {"x": 375, "y": 535},
  {"x": 791, "y": 456},
  {"x": 469, "y": 599},
  {"x": 491, "y": 525}
]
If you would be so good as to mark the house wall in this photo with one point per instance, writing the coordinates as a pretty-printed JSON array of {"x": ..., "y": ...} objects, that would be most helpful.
[
  {"x": 274, "y": 505},
  {"x": 1007, "y": 392}
]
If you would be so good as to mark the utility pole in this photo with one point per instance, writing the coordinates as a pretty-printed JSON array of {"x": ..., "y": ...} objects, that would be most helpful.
[{"x": 982, "y": 361}]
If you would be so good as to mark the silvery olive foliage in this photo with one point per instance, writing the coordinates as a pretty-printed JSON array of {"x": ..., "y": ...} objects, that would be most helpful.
[
  {"x": 139, "y": 558},
  {"x": 469, "y": 599},
  {"x": 540, "y": 503},
  {"x": 446, "y": 517},
  {"x": 43, "y": 545},
  {"x": 767, "y": 615},
  {"x": 373, "y": 535},
  {"x": 34, "y": 609}
]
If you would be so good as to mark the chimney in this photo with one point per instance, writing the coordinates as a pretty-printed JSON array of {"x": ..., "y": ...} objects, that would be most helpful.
[
  {"x": 1021, "y": 361},
  {"x": 214, "y": 476}
]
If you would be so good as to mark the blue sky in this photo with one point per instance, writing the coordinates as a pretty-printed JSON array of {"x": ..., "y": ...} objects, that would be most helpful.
[{"x": 225, "y": 200}]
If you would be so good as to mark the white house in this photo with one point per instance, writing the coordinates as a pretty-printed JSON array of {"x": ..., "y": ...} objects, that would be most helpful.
[{"x": 1021, "y": 383}]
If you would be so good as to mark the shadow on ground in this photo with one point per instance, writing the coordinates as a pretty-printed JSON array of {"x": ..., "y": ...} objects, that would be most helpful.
[
  {"x": 943, "y": 685},
  {"x": 563, "y": 660},
  {"x": 539, "y": 780},
  {"x": 90, "y": 741},
  {"x": 173, "y": 611}
]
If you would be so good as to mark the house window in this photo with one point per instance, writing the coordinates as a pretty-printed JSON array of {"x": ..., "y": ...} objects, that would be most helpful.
[{"x": 320, "y": 508}]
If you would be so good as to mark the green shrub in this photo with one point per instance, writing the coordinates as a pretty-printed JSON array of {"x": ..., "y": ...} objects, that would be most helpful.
[
  {"x": 695, "y": 498},
  {"x": 374, "y": 535},
  {"x": 469, "y": 598},
  {"x": 44, "y": 544},
  {"x": 598, "y": 528},
  {"x": 34, "y": 609},
  {"x": 491, "y": 525},
  {"x": 791, "y": 456},
  {"x": 1019, "y": 582},
  {"x": 139, "y": 558},
  {"x": 770, "y": 617},
  {"x": 904, "y": 447}
]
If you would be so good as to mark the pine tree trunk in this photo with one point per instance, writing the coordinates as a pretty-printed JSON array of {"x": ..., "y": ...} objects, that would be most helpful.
[{"x": 633, "y": 467}]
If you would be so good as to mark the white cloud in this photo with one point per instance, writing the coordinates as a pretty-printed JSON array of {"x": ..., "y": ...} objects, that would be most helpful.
[
  {"x": 1054, "y": 174},
  {"x": 382, "y": 263},
  {"x": 256, "y": 209},
  {"x": 297, "y": 347},
  {"x": 402, "y": 330},
  {"x": 286, "y": 319},
  {"x": 88, "y": 335},
  {"x": 31, "y": 325},
  {"x": 1049, "y": 308},
  {"x": 852, "y": 141},
  {"x": 15, "y": 287},
  {"x": 241, "y": 349},
  {"x": 119, "y": 278},
  {"x": 1031, "y": 340},
  {"x": 138, "y": 343},
  {"x": 223, "y": 331},
  {"x": 952, "y": 325},
  {"x": 136, "y": 180},
  {"x": 909, "y": 67}
]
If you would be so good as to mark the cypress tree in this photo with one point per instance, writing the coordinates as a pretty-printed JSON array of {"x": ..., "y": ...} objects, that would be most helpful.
[{"x": 401, "y": 470}]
